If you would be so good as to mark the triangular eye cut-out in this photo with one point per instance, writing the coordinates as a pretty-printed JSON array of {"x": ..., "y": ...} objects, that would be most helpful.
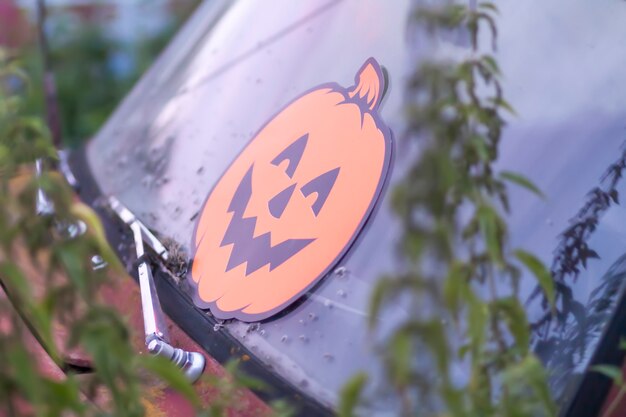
[
  {"x": 322, "y": 186},
  {"x": 293, "y": 153}
]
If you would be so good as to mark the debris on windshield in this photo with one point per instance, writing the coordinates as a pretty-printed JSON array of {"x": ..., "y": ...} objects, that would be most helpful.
[
  {"x": 154, "y": 163},
  {"x": 253, "y": 327},
  {"x": 341, "y": 271},
  {"x": 177, "y": 263},
  {"x": 218, "y": 326}
]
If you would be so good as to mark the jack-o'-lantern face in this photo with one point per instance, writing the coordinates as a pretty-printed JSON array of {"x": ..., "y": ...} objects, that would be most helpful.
[{"x": 293, "y": 201}]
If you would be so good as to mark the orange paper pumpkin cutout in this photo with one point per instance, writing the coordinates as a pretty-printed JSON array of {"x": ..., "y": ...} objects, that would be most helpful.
[{"x": 293, "y": 201}]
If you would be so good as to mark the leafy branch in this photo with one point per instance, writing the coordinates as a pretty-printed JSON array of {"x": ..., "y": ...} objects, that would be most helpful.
[
  {"x": 460, "y": 277},
  {"x": 48, "y": 281},
  {"x": 562, "y": 334}
]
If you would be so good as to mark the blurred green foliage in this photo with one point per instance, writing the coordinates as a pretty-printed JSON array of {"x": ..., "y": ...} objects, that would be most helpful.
[
  {"x": 48, "y": 277},
  {"x": 464, "y": 350},
  {"x": 93, "y": 70},
  {"x": 47, "y": 280}
]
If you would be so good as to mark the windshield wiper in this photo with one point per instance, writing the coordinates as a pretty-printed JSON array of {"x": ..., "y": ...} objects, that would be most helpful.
[{"x": 155, "y": 326}]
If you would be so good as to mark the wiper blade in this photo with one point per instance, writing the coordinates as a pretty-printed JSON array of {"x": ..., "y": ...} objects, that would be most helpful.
[
  {"x": 155, "y": 326},
  {"x": 129, "y": 218}
]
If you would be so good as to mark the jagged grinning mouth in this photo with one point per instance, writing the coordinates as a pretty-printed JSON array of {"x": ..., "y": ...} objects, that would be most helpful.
[{"x": 256, "y": 252}]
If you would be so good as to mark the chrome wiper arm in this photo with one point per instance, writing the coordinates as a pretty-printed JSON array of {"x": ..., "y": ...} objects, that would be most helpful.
[
  {"x": 129, "y": 218},
  {"x": 153, "y": 318},
  {"x": 155, "y": 326}
]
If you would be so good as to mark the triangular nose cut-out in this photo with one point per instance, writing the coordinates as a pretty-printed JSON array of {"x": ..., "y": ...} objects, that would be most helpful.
[{"x": 279, "y": 202}]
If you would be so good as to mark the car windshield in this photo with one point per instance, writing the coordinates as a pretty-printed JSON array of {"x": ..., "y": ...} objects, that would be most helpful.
[{"x": 235, "y": 65}]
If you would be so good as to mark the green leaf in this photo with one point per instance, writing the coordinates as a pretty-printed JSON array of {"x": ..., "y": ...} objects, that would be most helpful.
[
  {"x": 490, "y": 226},
  {"x": 243, "y": 379},
  {"x": 529, "y": 373},
  {"x": 491, "y": 64},
  {"x": 478, "y": 143},
  {"x": 432, "y": 334},
  {"x": 171, "y": 374},
  {"x": 538, "y": 269},
  {"x": 91, "y": 219},
  {"x": 455, "y": 287},
  {"x": 351, "y": 394},
  {"x": 612, "y": 372},
  {"x": 282, "y": 408},
  {"x": 501, "y": 103},
  {"x": 489, "y": 6},
  {"x": 515, "y": 318},
  {"x": 522, "y": 182},
  {"x": 380, "y": 292},
  {"x": 19, "y": 291},
  {"x": 66, "y": 393},
  {"x": 400, "y": 350},
  {"x": 478, "y": 315}
]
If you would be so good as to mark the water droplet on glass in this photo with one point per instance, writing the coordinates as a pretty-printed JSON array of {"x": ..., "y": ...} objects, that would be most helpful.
[
  {"x": 303, "y": 338},
  {"x": 329, "y": 357},
  {"x": 342, "y": 293},
  {"x": 312, "y": 317},
  {"x": 328, "y": 303},
  {"x": 284, "y": 338},
  {"x": 76, "y": 229},
  {"x": 341, "y": 271},
  {"x": 262, "y": 333},
  {"x": 97, "y": 262}
]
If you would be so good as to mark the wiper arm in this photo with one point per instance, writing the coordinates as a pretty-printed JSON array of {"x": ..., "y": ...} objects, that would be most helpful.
[
  {"x": 129, "y": 218},
  {"x": 155, "y": 326}
]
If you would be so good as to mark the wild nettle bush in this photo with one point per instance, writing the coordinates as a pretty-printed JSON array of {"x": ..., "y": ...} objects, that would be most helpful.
[
  {"x": 456, "y": 254},
  {"x": 48, "y": 278}
]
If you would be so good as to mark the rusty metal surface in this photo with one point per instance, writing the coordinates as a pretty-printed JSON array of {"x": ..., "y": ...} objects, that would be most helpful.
[
  {"x": 122, "y": 293},
  {"x": 615, "y": 401}
]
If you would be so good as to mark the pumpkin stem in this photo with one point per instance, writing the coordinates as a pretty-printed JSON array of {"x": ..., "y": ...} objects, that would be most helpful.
[{"x": 369, "y": 84}]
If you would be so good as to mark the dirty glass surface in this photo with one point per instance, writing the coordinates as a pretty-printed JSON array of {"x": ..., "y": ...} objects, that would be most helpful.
[{"x": 235, "y": 65}]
